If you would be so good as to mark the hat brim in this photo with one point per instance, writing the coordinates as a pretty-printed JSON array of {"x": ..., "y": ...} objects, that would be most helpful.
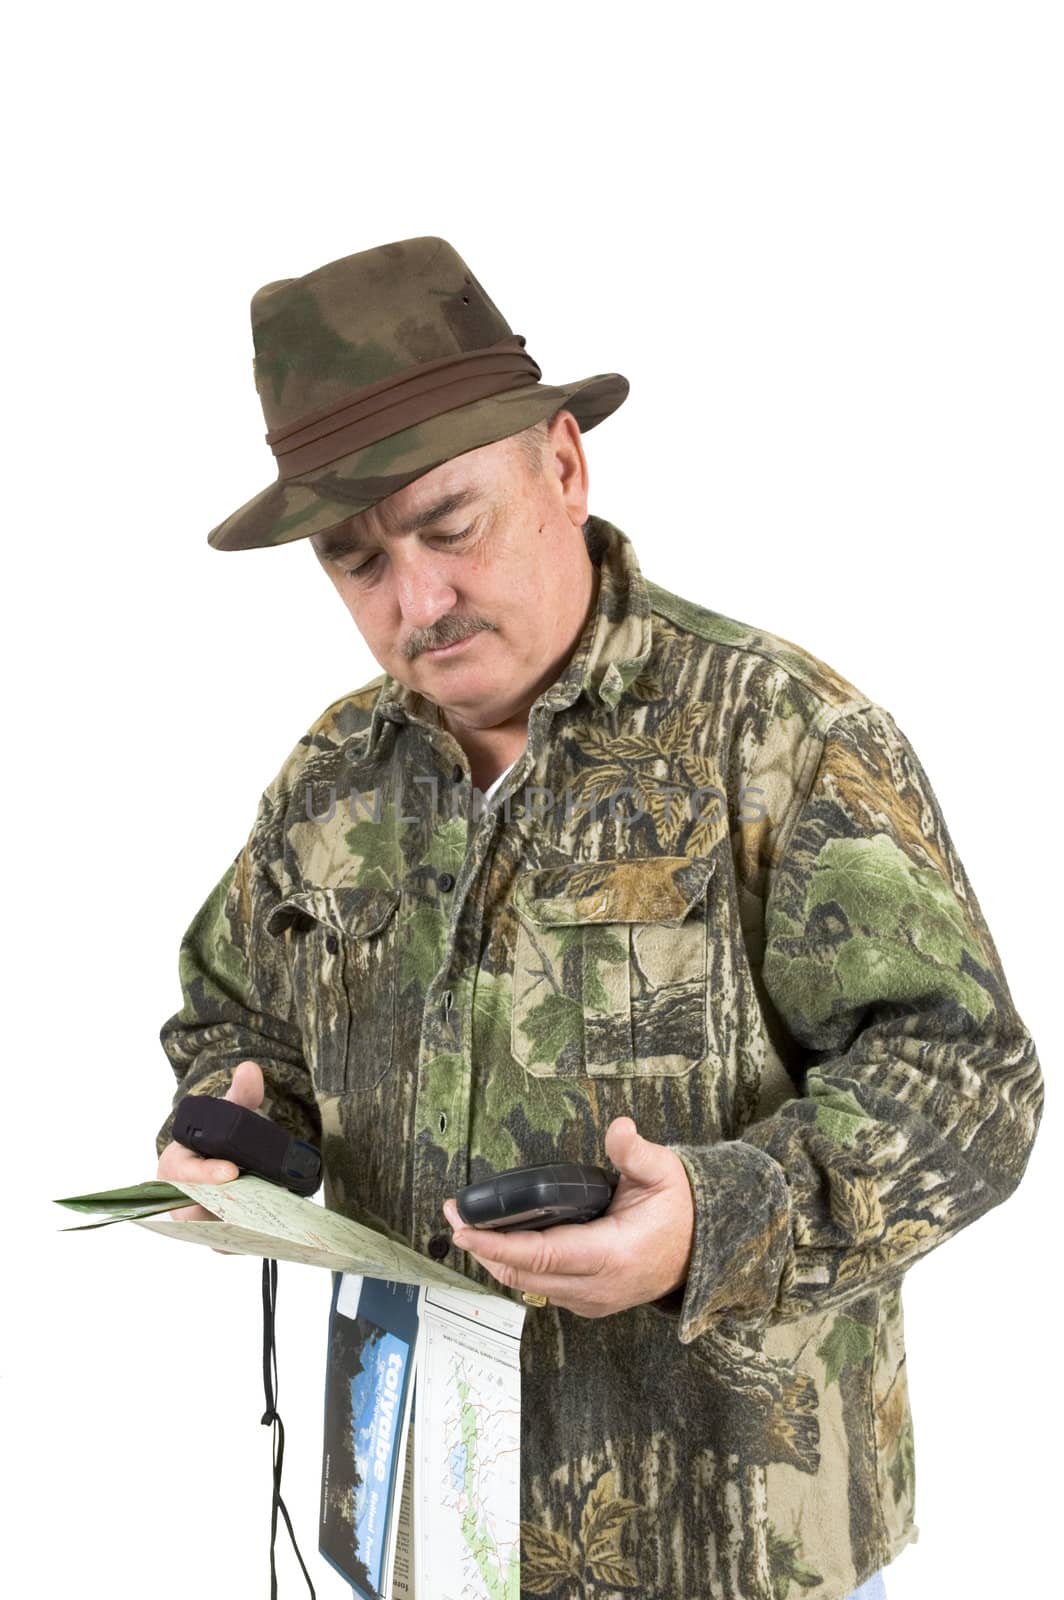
[{"x": 317, "y": 501}]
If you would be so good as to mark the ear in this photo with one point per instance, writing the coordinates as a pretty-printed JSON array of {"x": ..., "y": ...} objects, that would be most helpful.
[{"x": 566, "y": 465}]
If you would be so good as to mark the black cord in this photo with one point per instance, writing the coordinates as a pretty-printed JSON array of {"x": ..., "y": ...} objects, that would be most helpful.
[{"x": 271, "y": 1417}]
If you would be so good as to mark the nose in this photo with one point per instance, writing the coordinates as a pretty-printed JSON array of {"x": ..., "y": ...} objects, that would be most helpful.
[{"x": 423, "y": 592}]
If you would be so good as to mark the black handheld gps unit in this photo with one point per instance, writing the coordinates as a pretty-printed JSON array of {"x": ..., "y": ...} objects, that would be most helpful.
[
  {"x": 537, "y": 1197},
  {"x": 219, "y": 1128}
]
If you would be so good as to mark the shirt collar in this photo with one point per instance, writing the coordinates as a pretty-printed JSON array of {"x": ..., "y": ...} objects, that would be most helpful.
[{"x": 609, "y": 655}]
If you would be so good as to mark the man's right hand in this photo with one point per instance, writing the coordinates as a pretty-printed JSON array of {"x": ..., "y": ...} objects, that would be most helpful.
[{"x": 181, "y": 1165}]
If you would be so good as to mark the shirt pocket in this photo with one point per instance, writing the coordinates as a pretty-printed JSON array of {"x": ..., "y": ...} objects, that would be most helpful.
[
  {"x": 343, "y": 961},
  {"x": 610, "y": 968}
]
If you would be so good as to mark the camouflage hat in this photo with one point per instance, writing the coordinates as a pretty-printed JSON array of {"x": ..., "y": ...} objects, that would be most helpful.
[{"x": 376, "y": 368}]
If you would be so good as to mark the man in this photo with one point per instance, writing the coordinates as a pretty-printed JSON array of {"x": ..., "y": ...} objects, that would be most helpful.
[{"x": 710, "y": 928}]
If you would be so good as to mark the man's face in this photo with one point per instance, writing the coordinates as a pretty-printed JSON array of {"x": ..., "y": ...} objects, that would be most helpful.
[{"x": 472, "y": 584}]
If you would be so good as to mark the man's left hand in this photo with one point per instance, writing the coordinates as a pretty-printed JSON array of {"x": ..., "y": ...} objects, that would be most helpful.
[{"x": 636, "y": 1252}]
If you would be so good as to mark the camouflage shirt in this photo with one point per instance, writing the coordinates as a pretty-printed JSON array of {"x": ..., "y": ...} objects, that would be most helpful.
[{"x": 716, "y": 893}]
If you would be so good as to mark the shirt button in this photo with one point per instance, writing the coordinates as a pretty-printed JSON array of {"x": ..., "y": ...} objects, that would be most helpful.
[
  {"x": 439, "y": 1245},
  {"x": 332, "y": 943},
  {"x": 457, "y": 774},
  {"x": 445, "y": 883}
]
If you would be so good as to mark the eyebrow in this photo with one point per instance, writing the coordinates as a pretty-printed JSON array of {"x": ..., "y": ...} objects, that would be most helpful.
[{"x": 347, "y": 544}]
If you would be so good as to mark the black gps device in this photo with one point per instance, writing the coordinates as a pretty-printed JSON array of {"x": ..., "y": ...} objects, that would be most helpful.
[
  {"x": 536, "y": 1197},
  {"x": 223, "y": 1130}
]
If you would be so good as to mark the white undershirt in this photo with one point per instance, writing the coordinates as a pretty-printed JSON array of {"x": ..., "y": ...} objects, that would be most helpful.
[{"x": 490, "y": 790}]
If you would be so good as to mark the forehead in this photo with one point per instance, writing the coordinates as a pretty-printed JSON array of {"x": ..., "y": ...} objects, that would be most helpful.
[{"x": 447, "y": 490}]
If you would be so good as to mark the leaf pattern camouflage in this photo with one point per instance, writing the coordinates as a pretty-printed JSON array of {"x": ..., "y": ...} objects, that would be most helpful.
[{"x": 788, "y": 980}]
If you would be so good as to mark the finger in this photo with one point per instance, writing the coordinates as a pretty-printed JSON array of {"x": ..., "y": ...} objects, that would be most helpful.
[
  {"x": 248, "y": 1087},
  {"x": 637, "y": 1158},
  {"x": 568, "y": 1292},
  {"x": 570, "y": 1249},
  {"x": 577, "y": 1248},
  {"x": 180, "y": 1165}
]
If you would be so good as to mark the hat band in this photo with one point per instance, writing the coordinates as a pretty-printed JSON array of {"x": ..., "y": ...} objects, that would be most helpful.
[{"x": 401, "y": 401}]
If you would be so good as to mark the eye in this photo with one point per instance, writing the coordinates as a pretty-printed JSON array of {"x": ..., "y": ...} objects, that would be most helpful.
[
  {"x": 365, "y": 569},
  {"x": 362, "y": 570},
  {"x": 452, "y": 538}
]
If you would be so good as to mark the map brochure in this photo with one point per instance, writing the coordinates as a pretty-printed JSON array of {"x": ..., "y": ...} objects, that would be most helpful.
[
  {"x": 420, "y": 1466},
  {"x": 422, "y": 1431}
]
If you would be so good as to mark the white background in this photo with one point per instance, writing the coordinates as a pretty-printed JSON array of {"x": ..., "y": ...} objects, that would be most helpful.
[{"x": 824, "y": 244}]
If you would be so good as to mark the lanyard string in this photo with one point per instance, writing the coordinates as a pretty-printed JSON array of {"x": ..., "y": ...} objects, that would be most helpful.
[{"x": 270, "y": 1416}]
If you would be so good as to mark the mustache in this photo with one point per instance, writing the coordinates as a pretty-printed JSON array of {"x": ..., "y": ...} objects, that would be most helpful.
[{"x": 449, "y": 630}]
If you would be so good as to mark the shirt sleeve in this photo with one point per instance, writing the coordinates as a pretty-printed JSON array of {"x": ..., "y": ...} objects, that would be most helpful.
[
  {"x": 237, "y": 996},
  {"x": 921, "y": 1091}
]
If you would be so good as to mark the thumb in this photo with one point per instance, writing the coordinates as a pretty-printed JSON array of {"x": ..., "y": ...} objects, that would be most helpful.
[
  {"x": 248, "y": 1087},
  {"x": 637, "y": 1158}
]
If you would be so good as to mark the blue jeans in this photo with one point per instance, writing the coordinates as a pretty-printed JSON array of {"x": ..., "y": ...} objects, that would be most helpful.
[{"x": 871, "y": 1589}]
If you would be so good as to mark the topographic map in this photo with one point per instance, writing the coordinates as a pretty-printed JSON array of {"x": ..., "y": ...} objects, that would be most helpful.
[{"x": 467, "y": 1490}]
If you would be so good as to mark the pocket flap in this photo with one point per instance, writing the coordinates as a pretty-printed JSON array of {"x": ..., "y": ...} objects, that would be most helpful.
[
  {"x": 356, "y": 911},
  {"x": 659, "y": 889}
]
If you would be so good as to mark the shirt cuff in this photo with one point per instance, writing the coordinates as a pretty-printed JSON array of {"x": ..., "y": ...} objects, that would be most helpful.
[{"x": 742, "y": 1236}]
